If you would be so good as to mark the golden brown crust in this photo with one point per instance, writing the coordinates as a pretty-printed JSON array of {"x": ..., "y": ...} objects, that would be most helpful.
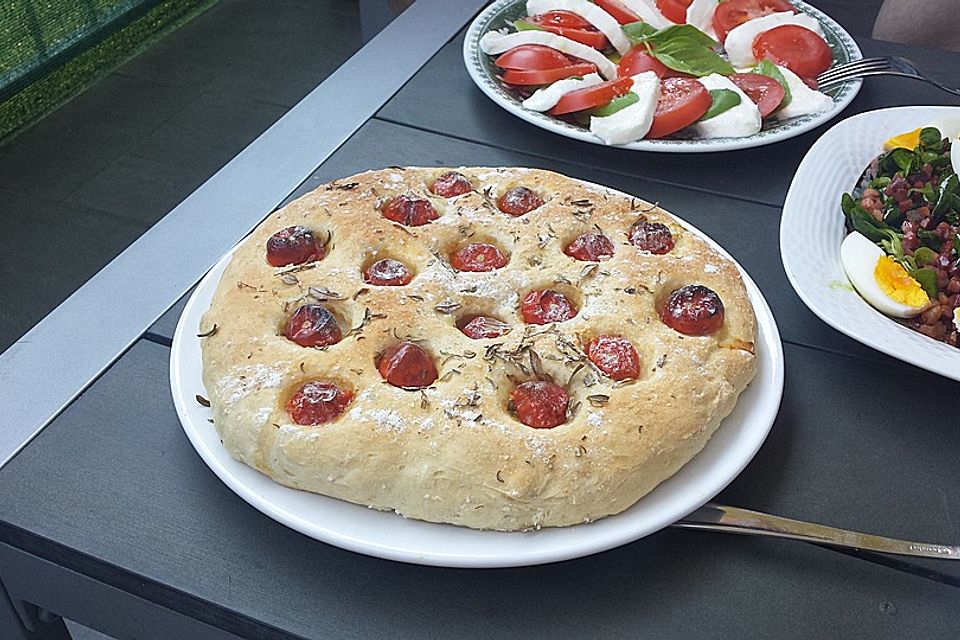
[{"x": 453, "y": 452}]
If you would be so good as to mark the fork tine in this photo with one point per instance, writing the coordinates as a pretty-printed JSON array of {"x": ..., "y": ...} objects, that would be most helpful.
[
  {"x": 850, "y": 70},
  {"x": 852, "y": 73},
  {"x": 866, "y": 74}
]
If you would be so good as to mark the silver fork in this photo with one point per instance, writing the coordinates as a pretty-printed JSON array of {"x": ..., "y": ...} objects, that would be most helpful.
[
  {"x": 717, "y": 517},
  {"x": 886, "y": 66}
]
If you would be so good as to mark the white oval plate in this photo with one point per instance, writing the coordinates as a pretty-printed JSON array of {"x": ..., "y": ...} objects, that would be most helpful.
[
  {"x": 812, "y": 228},
  {"x": 387, "y": 535},
  {"x": 503, "y": 12}
]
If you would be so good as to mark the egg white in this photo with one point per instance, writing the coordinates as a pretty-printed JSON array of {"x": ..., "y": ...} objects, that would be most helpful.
[{"x": 859, "y": 257}]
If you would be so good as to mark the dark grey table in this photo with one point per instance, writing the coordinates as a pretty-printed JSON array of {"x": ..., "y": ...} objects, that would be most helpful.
[{"x": 108, "y": 516}]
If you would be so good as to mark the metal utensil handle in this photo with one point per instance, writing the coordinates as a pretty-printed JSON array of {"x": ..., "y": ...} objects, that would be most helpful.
[{"x": 716, "y": 517}]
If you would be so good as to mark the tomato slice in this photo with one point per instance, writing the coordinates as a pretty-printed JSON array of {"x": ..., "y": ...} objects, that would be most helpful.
[
  {"x": 528, "y": 57},
  {"x": 638, "y": 60},
  {"x": 675, "y": 10},
  {"x": 765, "y": 92},
  {"x": 569, "y": 25},
  {"x": 546, "y": 76},
  {"x": 733, "y": 13},
  {"x": 682, "y": 102},
  {"x": 799, "y": 49},
  {"x": 619, "y": 12},
  {"x": 591, "y": 97}
]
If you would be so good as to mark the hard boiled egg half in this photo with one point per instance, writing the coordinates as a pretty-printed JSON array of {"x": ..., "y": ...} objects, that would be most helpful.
[{"x": 882, "y": 282}]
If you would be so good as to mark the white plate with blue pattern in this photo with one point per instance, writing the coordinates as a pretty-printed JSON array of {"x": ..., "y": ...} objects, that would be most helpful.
[{"x": 502, "y": 13}]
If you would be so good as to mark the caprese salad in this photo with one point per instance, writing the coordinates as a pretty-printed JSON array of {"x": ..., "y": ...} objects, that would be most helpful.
[
  {"x": 642, "y": 69},
  {"x": 902, "y": 254}
]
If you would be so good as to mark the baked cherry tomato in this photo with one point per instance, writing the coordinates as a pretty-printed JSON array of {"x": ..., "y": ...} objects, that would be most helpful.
[
  {"x": 293, "y": 245},
  {"x": 590, "y": 97},
  {"x": 545, "y": 307},
  {"x": 638, "y": 60},
  {"x": 482, "y": 327},
  {"x": 478, "y": 257},
  {"x": 682, "y": 102},
  {"x": 546, "y": 76},
  {"x": 407, "y": 365},
  {"x": 765, "y": 92},
  {"x": 590, "y": 247},
  {"x": 518, "y": 201},
  {"x": 797, "y": 48},
  {"x": 316, "y": 402},
  {"x": 674, "y": 10},
  {"x": 620, "y": 13},
  {"x": 529, "y": 57},
  {"x": 693, "y": 310},
  {"x": 387, "y": 273},
  {"x": 312, "y": 325},
  {"x": 733, "y": 13},
  {"x": 410, "y": 210},
  {"x": 450, "y": 184},
  {"x": 615, "y": 356},
  {"x": 569, "y": 25},
  {"x": 540, "y": 404},
  {"x": 654, "y": 237}
]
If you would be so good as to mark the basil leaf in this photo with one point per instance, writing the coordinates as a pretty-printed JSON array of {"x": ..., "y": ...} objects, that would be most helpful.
[
  {"x": 925, "y": 255},
  {"x": 723, "y": 100},
  {"x": 681, "y": 31},
  {"x": 523, "y": 25},
  {"x": 927, "y": 279},
  {"x": 638, "y": 31},
  {"x": 770, "y": 70},
  {"x": 688, "y": 56},
  {"x": 618, "y": 103}
]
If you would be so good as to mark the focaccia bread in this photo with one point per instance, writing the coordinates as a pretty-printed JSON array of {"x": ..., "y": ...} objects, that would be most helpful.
[{"x": 603, "y": 376}]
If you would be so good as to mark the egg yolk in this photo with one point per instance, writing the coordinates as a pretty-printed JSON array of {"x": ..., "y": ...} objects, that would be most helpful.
[
  {"x": 894, "y": 281},
  {"x": 908, "y": 140}
]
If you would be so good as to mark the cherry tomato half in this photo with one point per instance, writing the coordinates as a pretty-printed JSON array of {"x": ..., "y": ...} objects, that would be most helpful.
[
  {"x": 733, "y": 13},
  {"x": 620, "y": 13},
  {"x": 682, "y": 102},
  {"x": 546, "y": 76},
  {"x": 675, "y": 10},
  {"x": 531, "y": 57},
  {"x": 765, "y": 92},
  {"x": 570, "y": 25},
  {"x": 802, "y": 51},
  {"x": 591, "y": 97}
]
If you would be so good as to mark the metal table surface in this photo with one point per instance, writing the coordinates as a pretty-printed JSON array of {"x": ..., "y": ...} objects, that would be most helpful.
[{"x": 109, "y": 517}]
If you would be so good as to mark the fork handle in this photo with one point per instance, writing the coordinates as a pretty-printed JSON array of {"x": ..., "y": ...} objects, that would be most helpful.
[{"x": 716, "y": 517}]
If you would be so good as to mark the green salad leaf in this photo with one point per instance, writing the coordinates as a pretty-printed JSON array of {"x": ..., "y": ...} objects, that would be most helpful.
[
  {"x": 930, "y": 139},
  {"x": 925, "y": 255},
  {"x": 927, "y": 279},
  {"x": 722, "y": 100},
  {"x": 948, "y": 200}
]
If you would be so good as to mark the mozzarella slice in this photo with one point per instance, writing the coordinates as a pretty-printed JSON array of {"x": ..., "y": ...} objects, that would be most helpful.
[
  {"x": 631, "y": 123},
  {"x": 494, "y": 42},
  {"x": 548, "y": 97},
  {"x": 740, "y": 121},
  {"x": 700, "y": 14},
  {"x": 739, "y": 42},
  {"x": 803, "y": 99},
  {"x": 603, "y": 21},
  {"x": 648, "y": 12}
]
